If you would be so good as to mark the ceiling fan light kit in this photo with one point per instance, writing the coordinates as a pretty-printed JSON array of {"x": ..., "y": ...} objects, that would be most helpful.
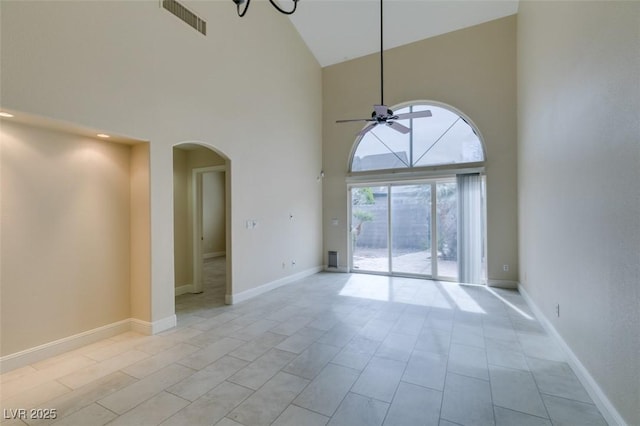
[
  {"x": 381, "y": 113},
  {"x": 243, "y": 11}
]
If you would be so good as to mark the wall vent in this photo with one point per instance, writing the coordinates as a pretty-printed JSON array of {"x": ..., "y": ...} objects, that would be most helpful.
[
  {"x": 186, "y": 15},
  {"x": 332, "y": 259}
]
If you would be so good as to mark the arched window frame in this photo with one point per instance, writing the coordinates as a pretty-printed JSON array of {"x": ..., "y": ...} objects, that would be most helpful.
[{"x": 422, "y": 170}]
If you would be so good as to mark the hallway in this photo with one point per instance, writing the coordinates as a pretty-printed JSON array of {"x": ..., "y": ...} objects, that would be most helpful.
[{"x": 214, "y": 275}]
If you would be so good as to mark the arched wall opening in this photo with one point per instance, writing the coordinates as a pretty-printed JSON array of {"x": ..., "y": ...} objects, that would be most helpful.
[{"x": 202, "y": 232}]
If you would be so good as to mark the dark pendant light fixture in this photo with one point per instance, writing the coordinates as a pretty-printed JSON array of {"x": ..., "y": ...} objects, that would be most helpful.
[{"x": 243, "y": 11}]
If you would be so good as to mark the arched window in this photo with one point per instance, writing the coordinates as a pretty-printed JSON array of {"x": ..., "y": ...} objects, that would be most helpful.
[{"x": 444, "y": 138}]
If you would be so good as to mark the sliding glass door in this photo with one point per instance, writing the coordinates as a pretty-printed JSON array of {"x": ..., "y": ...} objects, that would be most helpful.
[
  {"x": 411, "y": 229},
  {"x": 369, "y": 229},
  {"x": 406, "y": 229},
  {"x": 447, "y": 229}
]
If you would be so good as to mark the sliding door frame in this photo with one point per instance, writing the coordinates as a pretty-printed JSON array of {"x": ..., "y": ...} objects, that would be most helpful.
[
  {"x": 433, "y": 182},
  {"x": 389, "y": 178}
]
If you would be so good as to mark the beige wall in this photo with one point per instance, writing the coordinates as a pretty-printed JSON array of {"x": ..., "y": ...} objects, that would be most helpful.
[
  {"x": 157, "y": 79},
  {"x": 579, "y": 168},
  {"x": 213, "y": 218},
  {"x": 472, "y": 70},
  {"x": 140, "y": 233},
  {"x": 67, "y": 237},
  {"x": 182, "y": 250}
]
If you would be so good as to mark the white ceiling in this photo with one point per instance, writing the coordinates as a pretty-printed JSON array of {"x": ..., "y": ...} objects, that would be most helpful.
[{"x": 339, "y": 30}]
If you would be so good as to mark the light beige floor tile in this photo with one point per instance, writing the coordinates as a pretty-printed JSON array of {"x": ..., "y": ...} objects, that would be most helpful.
[
  {"x": 292, "y": 325},
  {"x": 380, "y": 379},
  {"x": 505, "y": 417},
  {"x": 93, "y": 415},
  {"x": 209, "y": 354},
  {"x": 426, "y": 369},
  {"x": 505, "y": 354},
  {"x": 35, "y": 397},
  {"x": 214, "y": 322},
  {"x": 152, "y": 412},
  {"x": 196, "y": 385},
  {"x": 397, "y": 346},
  {"x": 284, "y": 329},
  {"x": 261, "y": 370},
  {"x": 156, "y": 345},
  {"x": 339, "y": 335},
  {"x": 433, "y": 340},
  {"x": 17, "y": 373},
  {"x": 472, "y": 394},
  {"x": 101, "y": 369},
  {"x": 296, "y": 416},
  {"x": 132, "y": 395},
  {"x": 211, "y": 407},
  {"x": 300, "y": 340},
  {"x": 123, "y": 342},
  {"x": 10, "y": 421},
  {"x": 257, "y": 347},
  {"x": 255, "y": 329},
  {"x": 325, "y": 393},
  {"x": 228, "y": 422},
  {"x": 516, "y": 390},
  {"x": 81, "y": 397},
  {"x": 50, "y": 370},
  {"x": 154, "y": 363},
  {"x": 468, "y": 361},
  {"x": 414, "y": 405},
  {"x": 567, "y": 412},
  {"x": 180, "y": 334},
  {"x": 357, "y": 353},
  {"x": 310, "y": 362},
  {"x": 266, "y": 404},
  {"x": 358, "y": 410}
]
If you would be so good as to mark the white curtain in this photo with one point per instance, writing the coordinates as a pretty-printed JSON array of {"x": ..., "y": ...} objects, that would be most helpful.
[{"x": 469, "y": 228}]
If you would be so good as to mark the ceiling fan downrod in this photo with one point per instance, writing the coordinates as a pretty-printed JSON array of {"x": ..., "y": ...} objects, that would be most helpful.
[{"x": 381, "y": 55}]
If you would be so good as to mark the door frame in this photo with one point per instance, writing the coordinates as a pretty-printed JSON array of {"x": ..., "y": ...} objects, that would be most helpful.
[
  {"x": 433, "y": 181},
  {"x": 196, "y": 208}
]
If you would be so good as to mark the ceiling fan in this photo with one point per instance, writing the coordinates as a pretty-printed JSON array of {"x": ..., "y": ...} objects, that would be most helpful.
[{"x": 381, "y": 113}]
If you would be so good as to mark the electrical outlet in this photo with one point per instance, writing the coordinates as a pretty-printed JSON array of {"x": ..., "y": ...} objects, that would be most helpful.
[
  {"x": 284, "y": 265},
  {"x": 558, "y": 310},
  {"x": 505, "y": 268},
  {"x": 293, "y": 263}
]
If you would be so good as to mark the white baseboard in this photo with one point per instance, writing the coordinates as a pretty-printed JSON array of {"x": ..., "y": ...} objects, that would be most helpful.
[
  {"x": 184, "y": 289},
  {"x": 609, "y": 412},
  {"x": 164, "y": 324},
  {"x": 214, "y": 254},
  {"x": 342, "y": 269},
  {"x": 502, "y": 284},
  {"x": 231, "y": 299},
  {"x": 57, "y": 347}
]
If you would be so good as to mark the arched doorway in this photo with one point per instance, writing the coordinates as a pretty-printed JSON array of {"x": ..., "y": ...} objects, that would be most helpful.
[
  {"x": 202, "y": 207},
  {"x": 418, "y": 197}
]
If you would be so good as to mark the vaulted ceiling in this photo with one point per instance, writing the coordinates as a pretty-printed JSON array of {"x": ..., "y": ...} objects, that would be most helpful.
[{"x": 339, "y": 30}]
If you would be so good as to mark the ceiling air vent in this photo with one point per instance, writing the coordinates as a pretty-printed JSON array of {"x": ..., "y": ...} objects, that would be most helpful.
[{"x": 186, "y": 15}]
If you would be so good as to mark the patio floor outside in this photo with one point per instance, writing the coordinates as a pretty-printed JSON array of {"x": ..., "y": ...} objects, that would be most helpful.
[{"x": 419, "y": 263}]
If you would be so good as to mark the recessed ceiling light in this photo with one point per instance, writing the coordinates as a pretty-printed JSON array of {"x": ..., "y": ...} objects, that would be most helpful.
[
  {"x": 6, "y": 114},
  {"x": 102, "y": 135}
]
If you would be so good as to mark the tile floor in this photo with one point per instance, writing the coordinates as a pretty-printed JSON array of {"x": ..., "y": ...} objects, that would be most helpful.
[{"x": 336, "y": 349}]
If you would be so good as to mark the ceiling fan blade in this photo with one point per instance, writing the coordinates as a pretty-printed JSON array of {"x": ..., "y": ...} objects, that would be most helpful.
[
  {"x": 367, "y": 128},
  {"x": 355, "y": 119},
  {"x": 398, "y": 127},
  {"x": 380, "y": 110},
  {"x": 416, "y": 114}
]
